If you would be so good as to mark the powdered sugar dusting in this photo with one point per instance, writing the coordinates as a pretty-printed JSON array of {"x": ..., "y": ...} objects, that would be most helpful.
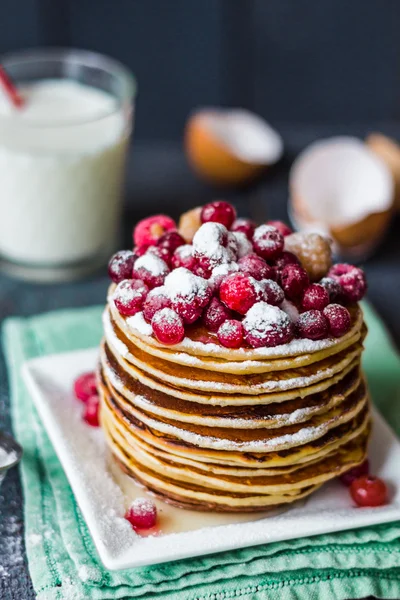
[
  {"x": 142, "y": 506},
  {"x": 139, "y": 323},
  {"x": 211, "y": 242},
  {"x": 263, "y": 317},
  {"x": 183, "y": 283},
  {"x": 166, "y": 315},
  {"x": 111, "y": 337},
  {"x": 151, "y": 263},
  {"x": 244, "y": 245}
]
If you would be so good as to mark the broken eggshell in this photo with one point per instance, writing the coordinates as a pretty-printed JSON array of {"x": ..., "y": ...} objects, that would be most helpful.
[
  {"x": 230, "y": 146},
  {"x": 340, "y": 188}
]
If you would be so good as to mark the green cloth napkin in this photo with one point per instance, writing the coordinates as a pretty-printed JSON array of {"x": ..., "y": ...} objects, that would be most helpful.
[{"x": 62, "y": 559}]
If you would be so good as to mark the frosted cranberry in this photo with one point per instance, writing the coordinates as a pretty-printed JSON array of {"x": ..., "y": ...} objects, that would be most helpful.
[
  {"x": 168, "y": 326},
  {"x": 202, "y": 268},
  {"x": 312, "y": 325},
  {"x": 215, "y": 314},
  {"x": 266, "y": 325},
  {"x": 238, "y": 292},
  {"x": 230, "y": 334},
  {"x": 349, "y": 476},
  {"x": 272, "y": 292},
  {"x": 254, "y": 265},
  {"x": 171, "y": 240},
  {"x": 85, "y": 386},
  {"x": 332, "y": 286},
  {"x": 183, "y": 257},
  {"x": 129, "y": 296},
  {"x": 315, "y": 297},
  {"x": 294, "y": 281},
  {"x": 352, "y": 281},
  {"x": 281, "y": 227},
  {"x": 148, "y": 231},
  {"x": 91, "y": 411},
  {"x": 160, "y": 252},
  {"x": 339, "y": 319},
  {"x": 246, "y": 226},
  {"x": 218, "y": 212},
  {"x": 155, "y": 301},
  {"x": 188, "y": 311},
  {"x": 120, "y": 265},
  {"x": 268, "y": 242},
  {"x": 140, "y": 250},
  {"x": 142, "y": 514},
  {"x": 151, "y": 269},
  {"x": 219, "y": 273},
  {"x": 286, "y": 258},
  {"x": 189, "y": 294}
]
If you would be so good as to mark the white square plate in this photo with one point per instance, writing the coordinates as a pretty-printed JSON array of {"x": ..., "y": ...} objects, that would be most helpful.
[{"x": 81, "y": 450}]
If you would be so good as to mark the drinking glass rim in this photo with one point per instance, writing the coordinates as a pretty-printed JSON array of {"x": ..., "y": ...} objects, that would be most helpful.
[{"x": 86, "y": 58}]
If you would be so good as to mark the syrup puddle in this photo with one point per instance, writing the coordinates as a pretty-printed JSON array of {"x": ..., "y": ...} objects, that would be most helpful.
[{"x": 176, "y": 520}]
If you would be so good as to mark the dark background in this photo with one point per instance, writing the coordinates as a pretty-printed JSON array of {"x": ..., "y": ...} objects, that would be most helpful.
[{"x": 313, "y": 68}]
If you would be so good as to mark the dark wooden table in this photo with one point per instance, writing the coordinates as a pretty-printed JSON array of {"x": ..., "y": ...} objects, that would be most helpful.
[{"x": 160, "y": 180}]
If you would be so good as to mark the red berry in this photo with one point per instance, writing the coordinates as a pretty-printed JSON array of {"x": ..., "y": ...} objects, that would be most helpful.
[
  {"x": 352, "y": 281},
  {"x": 215, "y": 314},
  {"x": 148, "y": 231},
  {"x": 315, "y": 297},
  {"x": 151, "y": 269},
  {"x": 243, "y": 246},
  {"x": 168, "y": 326},
  {"x": 91, "y": 411},
  {"x": 339, "y": 319},
  {"x": 129, "y": 296},
  {"x": 281, "y": 227},
  {"x": 121, "y": 265},
  {"x": 266, "y": 325},
  {"x": 213, "y": 245},
  {"x": 273, "y": 293},
  {"x": 254, "y": 265},
  {"x": 246, "y": 226},
  {"x": 85, "y": 386},
  {"x": 142, "y": 514},
  {"x": 171, "y": 240},
  {"x": 294, "y": 280},
  {"x": 332, "y": 286},
  {"x": 155, "y": 301},
  {"x": 219, "y": 273},
  {"x": 312, "y": 325},
  {"x": 140, "y": 250},
  {"x": 230, "y": 334},
  {"x": 268, "y": 242},
  {"x": 238, "y": 292},
  {"x": 183, "y": 257},
  {"x": 160, "y": 252},
  {"x": 189, "y": 294},
  {"x": 349, "y": 476},
  {"x": 218, "y": 212},
  {"x": 369, "y": 491}
]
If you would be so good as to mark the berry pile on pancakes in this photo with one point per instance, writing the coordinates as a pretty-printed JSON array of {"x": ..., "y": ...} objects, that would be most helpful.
[{"x": 230, "y": 376}]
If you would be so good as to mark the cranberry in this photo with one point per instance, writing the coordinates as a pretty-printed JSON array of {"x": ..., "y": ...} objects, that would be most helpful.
[
  {"x": 315, "y": 297},
  {"x": 266, "y": 325},
  {"x": 339, "y": 319},
  {"x": 273, "y": 293},
  {"x": 332, "y": 286},
  {"x": 312, "y": 325},
  {"x": 155, "y": 301},
  {"x": 140, "y": 250},
  {"x": 91, "y": 412},
  {"x": 151, "y": 269},
  {"x": 142, "y": 514},
  {"x": 189, "y": 294},
  {"x": 85, "y": 386},
  {"x": 218, "y": 212},
  {"x": 294, "y": 280},
  {"x": 202, "y": 268},
  {"x": 254, "y": 265},
  {"x": 121, "y": 265},
  {"x": 230, "y": 334},
  {"x": 238, "y": 292},
  {"x": 168, "y": 326},
  {"x": 160, "y": 252},
  {"x": 171, "y": 240},
  {"x": 281, "y": 227},
  {"x": 349, "y": 476},
  {"x": 286, "y": 258},
  {"x": 268, "y": 242},
  {"x": 213, "y": 245},
  {"x": 148, "y": 231},
  {"x": 246, "y": 226},
  {"x": 369, "y": 491},
  {"x": 129, "y": 296},
  {"x": 352, "y": 281},
  {"x": 219, "y": 273},
  {"x": 215, "y": 314},
  {"x": 243, "y": 246},
  {"x": 183, "y": 257}
]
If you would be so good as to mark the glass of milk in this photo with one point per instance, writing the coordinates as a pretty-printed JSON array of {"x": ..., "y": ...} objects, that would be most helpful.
[{"x": 62, "y": 161}]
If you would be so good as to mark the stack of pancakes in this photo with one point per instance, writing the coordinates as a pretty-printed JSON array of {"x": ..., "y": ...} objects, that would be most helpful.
[{"x": 210, "y": 428}]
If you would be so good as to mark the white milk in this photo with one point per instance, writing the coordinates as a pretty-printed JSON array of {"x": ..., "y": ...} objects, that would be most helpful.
[{"x": 61, "y": 172}]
